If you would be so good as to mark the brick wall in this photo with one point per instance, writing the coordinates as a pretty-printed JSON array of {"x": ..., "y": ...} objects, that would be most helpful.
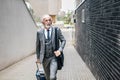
[{"x": 98, "y": 38}]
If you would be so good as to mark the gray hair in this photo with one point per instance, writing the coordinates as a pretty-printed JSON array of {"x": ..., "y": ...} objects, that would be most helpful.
[{"x": 44, "y": 16}]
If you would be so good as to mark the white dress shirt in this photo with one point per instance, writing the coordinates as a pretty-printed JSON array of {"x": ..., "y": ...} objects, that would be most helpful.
[{"x": 50, "y": 30}]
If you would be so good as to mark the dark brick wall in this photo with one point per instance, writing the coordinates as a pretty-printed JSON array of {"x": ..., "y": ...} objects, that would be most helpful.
[{"x": 98, "y": 39}]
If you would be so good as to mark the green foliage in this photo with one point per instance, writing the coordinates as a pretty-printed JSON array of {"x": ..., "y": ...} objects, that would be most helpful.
[{"x": 66, "y": 18}]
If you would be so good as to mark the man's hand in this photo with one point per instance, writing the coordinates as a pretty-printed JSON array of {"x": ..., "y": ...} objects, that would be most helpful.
[
  {"x": 38, "y": 61},
  {"x": 57, "y": 53}
]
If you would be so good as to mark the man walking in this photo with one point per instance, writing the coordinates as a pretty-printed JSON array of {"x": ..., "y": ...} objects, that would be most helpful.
[{"x": 45, "y": 47}]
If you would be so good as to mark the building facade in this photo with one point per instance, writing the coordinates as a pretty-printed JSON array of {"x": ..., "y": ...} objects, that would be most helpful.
[
  {"x": 97, "y": 36},
  {"x": 41, "y": 7}
]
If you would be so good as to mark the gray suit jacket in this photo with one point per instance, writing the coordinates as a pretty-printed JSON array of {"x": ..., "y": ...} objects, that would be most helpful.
[{"x": 40, "y": 42}]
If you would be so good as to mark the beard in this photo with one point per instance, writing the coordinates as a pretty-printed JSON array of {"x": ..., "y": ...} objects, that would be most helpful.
[{"x": 47, "y": 26}]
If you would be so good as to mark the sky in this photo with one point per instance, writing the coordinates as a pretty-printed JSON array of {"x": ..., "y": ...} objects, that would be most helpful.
[{"x": 67, "y": 5}]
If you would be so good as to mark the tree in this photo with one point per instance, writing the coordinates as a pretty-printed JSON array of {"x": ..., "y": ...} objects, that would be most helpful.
[{"x": 66, "y": 17}]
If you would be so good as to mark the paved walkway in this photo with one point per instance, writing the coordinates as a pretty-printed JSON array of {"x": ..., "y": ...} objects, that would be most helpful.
[{"x": 74, "y": 67}]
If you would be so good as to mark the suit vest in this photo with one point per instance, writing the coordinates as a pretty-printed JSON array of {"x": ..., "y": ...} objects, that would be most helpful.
[{"x": 49, "y": 52}]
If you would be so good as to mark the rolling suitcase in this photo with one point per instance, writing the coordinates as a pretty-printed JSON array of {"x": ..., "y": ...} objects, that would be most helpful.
[{"x": 40, "y": 75}]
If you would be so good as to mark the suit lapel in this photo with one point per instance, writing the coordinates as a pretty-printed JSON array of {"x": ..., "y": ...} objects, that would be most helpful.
[
  {"x": 53, "y": 34},
  {"x": 43, "y": 35},
  {"x": 53, "y": 37},
  {"x": 43, "y": 39}
]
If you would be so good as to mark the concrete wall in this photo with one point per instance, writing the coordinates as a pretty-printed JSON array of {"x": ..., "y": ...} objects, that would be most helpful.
[
  {"x": 98, "y": 37},
  {"x": 17, "y": 32}
]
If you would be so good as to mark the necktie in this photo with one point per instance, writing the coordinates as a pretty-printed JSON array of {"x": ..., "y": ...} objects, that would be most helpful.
[{"x": 48, "y": 34}]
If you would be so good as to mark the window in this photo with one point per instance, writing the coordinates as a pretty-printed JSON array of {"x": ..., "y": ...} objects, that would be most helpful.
[{"x": 83, "y": 15}]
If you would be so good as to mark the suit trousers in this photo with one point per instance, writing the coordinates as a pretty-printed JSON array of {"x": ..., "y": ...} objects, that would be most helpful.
[{"x": 50, "y": 68}]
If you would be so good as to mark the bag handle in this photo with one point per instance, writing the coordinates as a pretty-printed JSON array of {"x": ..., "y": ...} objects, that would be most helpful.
[{"x": 56, "y": 44}]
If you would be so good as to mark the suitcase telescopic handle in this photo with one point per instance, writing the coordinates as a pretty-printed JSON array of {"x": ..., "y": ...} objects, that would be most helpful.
[{"x": 38, "y": 66}]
